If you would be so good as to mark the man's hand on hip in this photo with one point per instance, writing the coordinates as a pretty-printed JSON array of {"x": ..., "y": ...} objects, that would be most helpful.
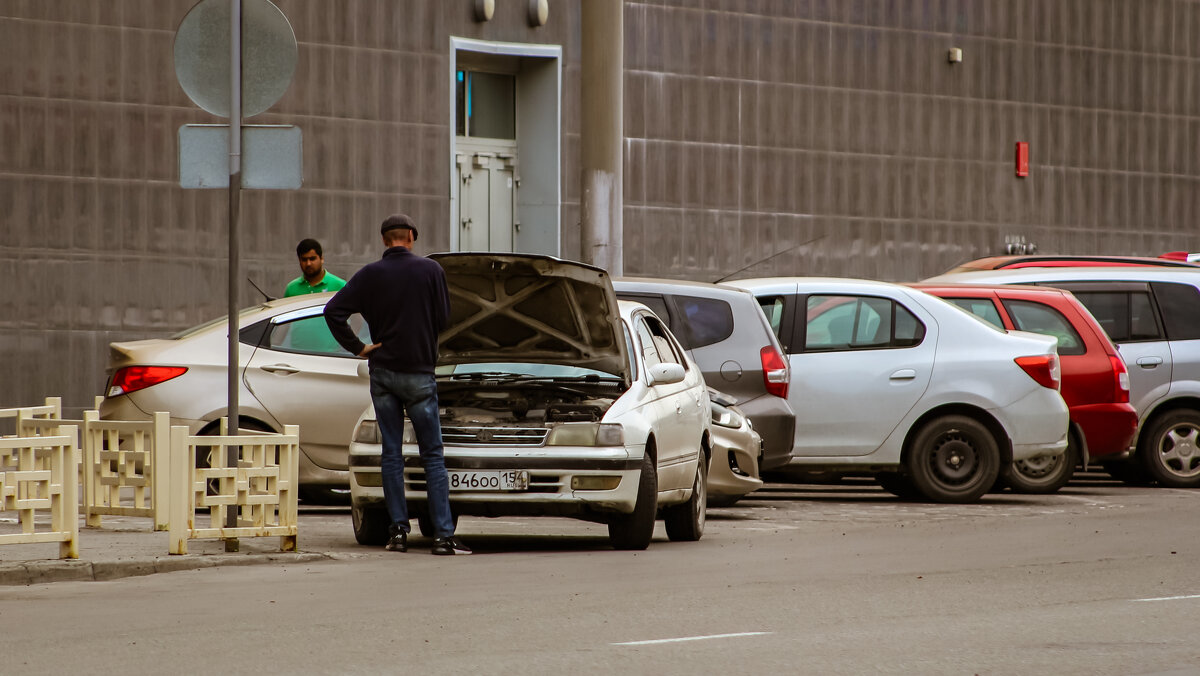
[{"x": 366, "y": 351}]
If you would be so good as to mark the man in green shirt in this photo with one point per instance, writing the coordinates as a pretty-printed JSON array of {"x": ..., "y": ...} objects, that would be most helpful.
[{"x": 316, "y": 279}]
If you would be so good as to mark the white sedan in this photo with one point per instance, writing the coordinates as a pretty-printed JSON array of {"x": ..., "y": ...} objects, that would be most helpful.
[
  {"x": 555, "y": 399},
  {"x": 895, "y": 382}
]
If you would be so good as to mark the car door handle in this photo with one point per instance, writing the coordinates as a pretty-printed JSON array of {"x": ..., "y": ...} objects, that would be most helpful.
[
  {"x": 283, "y": 369},
  {"x": 904, "y": 374},
  {"x": 1149, "y": 362}
]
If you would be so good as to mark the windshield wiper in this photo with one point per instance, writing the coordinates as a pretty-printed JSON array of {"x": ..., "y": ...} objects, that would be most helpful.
[{"x": 527, "y": 378}]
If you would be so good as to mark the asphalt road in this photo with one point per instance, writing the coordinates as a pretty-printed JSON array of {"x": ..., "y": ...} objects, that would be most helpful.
[{"x": 813, "y": 579}]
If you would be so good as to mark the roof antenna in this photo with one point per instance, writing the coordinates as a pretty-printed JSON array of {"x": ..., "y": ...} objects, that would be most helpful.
[{"x": 264, "y": 293}]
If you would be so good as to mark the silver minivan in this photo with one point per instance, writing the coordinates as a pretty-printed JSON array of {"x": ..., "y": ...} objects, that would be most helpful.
[
  {"x": 1153, "y": 316},
  {"x": 723, "y": 329}
]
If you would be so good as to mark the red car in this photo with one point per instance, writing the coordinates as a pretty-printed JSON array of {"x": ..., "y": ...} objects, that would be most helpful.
[
  {"x": 1095, "y": 382},
  {"x": 1046, "y": 261}
]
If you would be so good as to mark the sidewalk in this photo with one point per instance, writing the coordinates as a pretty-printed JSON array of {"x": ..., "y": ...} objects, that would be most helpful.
[{"x": 126, "y": 547}]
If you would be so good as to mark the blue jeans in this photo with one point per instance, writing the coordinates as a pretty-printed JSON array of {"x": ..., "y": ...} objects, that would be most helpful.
[{"x": 395, "y": 394}]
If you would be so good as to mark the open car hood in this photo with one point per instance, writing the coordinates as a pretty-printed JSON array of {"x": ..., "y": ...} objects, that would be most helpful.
[{"x": 531, "y": 308}]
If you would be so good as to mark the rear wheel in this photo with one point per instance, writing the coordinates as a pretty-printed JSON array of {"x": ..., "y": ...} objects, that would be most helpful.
[
  {"x": 1039, "y": 476},
  {"x": 204, "y": 459},
  {"x": 685, "y": 522},
  {"x": 1170, "y": 449},
  {"x": 634, "y": 531},
  {"x": 954, "y": 459},
  {"x": 370, "y": 525}
]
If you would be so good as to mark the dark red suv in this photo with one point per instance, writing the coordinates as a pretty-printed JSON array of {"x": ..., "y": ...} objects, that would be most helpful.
[
  {"x": 1050, "y": 261},
  {"x": 1095, "y": 382}
]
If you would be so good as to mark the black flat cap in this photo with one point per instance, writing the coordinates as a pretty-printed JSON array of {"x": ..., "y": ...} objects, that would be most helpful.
[{"x": 399, "y": 221}]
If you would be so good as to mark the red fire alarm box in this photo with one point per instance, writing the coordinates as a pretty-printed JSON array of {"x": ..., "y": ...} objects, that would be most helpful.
[{"x": 1022, "y": 158}]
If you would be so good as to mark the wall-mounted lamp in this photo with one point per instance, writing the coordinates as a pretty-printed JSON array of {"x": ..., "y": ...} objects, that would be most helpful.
[
  {"x": 484, "y": 9},
  {"x": 955, "y": 55},
  {"x": 539, "y": 11}
]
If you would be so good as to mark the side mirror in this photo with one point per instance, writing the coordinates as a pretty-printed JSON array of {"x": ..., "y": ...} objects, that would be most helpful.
[
  {"x": 666, "y": 374},
  {"x": 364, "y": 369}
]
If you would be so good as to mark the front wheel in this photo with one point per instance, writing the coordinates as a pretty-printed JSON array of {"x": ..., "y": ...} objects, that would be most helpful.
[
  {"x": 1039, "y": 476},
  {"x": 1170, "y": 449},
  {"x": 953, "y": 459},
  {"x": 370, "y": 525},
  {"x": 634, "y": 531},
  {"x": 685, "y": 522}
]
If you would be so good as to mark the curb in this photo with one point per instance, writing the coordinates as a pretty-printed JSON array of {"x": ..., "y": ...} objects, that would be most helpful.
[{"x": 67, "y": 570}]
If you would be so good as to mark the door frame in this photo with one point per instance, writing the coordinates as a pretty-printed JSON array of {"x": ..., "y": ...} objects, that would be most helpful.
[{"x": 538, "y": 200}]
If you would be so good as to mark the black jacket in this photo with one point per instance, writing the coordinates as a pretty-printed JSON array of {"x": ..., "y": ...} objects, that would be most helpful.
[{"x": 403, "y": 297}]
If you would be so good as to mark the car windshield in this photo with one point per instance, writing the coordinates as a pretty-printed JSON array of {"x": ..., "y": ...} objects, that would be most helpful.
[
  {"x": 186, "y": 333},
  {"x": 523, "y": 370}
]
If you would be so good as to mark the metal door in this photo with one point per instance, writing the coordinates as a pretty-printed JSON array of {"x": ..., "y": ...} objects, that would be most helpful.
[{"x": 487, "y": 185}]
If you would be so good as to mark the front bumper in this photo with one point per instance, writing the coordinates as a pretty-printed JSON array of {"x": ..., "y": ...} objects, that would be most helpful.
[
  {"x": 734, "y": 448},
  {"x": 551, "y": 473}
]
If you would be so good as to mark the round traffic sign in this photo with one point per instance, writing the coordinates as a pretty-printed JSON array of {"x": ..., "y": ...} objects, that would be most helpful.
[{"x": 202, "y": 55}]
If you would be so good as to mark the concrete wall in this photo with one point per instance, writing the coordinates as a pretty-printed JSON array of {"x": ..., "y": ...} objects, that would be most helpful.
[{"x": 763, "y": 137}]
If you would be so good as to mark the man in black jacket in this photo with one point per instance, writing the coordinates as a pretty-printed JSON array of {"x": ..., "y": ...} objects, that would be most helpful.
[{"x": 404, "y": 300}]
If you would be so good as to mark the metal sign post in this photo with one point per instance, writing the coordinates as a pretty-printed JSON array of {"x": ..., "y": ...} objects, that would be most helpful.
[
  {"x": 235, "y": 207},
  {"x": 265, "y": 71}
]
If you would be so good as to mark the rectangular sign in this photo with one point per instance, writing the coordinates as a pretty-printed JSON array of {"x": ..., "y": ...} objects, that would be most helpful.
[{"x": 271, "y": 156}]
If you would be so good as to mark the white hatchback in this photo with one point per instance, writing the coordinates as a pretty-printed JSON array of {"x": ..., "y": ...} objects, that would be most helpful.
[
  {"x": 555, "y": 399},
  {"x": 895, "y": 382}
]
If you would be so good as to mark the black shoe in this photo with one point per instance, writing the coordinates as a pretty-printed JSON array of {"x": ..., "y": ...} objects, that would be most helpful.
[
  {"x": 449, "y": 546},
  {"x": 398, "y": 542}
]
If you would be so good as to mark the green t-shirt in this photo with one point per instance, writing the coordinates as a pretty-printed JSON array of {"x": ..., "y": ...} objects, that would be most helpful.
[{"x": 299, "y": 287}]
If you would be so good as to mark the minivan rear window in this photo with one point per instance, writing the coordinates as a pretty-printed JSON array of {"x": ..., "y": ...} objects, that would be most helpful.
[
  {"x": 1180, "y": 307},
  {"x": 1124, "y": 315},
  {"x": 707, "y": 321}
]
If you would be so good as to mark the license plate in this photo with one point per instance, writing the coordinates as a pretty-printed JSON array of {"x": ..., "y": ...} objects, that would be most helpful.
[{"x": 509, "y": 480}]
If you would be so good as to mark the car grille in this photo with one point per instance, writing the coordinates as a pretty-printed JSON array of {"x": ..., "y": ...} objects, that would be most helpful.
[{"x": 494, "y": 436}]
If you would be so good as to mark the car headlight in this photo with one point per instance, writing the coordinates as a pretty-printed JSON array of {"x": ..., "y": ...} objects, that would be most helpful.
[
  {"x": 367, "y": 432},
  {"x": 586, "y": 434},
  {"x": 726, "y": 417}
]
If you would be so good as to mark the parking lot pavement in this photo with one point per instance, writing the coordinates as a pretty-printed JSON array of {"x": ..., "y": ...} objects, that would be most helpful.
[{"x": 125, "y": 546}]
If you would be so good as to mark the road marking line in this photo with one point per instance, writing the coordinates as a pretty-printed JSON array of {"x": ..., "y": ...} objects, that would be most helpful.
[
  {"x": 694, "y": 638},
  {"x": 1172, "y": 598}
]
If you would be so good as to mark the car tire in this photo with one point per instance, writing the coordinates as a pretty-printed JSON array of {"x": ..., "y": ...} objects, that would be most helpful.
[
  {"x": 685, "y": 521},
  {"x": 370, "y": 525},
  {"x": 1041, "y": 476},
  {"x": 634, "y": 531},
  {"x": 214, "y": 429},
  {"x": 1170, "y": 449},
  {"x": 953, "y": 459},
  {"x": 898, "y": 485}
]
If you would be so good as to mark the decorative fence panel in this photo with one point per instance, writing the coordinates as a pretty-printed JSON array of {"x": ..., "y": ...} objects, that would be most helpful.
[
  {"x": 261, "y": 487},
  {"x": 39, "y": 475},
  {"x": 117, "y": 458},
  {"x": 121, "y": 455}
]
